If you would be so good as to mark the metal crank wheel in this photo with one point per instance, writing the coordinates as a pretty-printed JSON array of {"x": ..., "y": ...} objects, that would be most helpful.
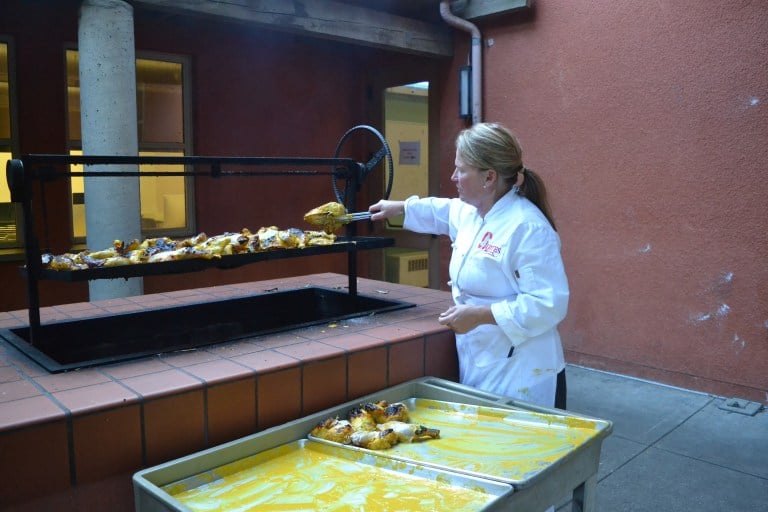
[{"x": 370, "y": 165}]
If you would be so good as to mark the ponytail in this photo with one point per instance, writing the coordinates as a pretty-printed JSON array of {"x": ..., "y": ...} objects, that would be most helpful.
[{"x": 534, "y": 190}]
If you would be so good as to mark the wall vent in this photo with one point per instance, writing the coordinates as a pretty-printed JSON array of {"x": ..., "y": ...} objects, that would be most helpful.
[{"x": 407, "y": 266}]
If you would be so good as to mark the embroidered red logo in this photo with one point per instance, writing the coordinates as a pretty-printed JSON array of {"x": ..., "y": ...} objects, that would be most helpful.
[{"x": 486, "y": 246}]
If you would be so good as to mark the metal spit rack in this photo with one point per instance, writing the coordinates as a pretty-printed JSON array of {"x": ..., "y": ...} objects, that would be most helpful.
[{"x": 23, "y": 173}]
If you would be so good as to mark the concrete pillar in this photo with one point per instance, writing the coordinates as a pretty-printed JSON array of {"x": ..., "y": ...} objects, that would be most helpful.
[{"x": 109, "y": 127}]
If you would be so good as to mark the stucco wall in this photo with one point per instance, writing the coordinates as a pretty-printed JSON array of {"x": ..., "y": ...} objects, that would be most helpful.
[{"x": 648, "y": 122}]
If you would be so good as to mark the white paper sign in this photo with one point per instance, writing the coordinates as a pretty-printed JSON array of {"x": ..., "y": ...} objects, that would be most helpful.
[{"x": 410, "y": 153}]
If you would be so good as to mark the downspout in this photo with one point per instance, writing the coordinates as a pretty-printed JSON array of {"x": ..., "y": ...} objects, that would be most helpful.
[{"x": 475, "y": 57}]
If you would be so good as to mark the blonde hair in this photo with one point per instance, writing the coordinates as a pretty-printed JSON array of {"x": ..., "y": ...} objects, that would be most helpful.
[{"x": 492, "y": 146}]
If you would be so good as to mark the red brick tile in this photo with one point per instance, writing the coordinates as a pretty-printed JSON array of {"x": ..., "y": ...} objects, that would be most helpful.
[
  {"x": 427, "y": 324},
  {"x": 429, "y": 298},
  {"x": 28, "y": 411},
  {"x": 278, "y": 340},
  {"x": 231, "y": 410},
  {"x": 64, "y": 500},
  {"x": 406, "y": 361},
  {"x": 266, "y": 361},
  {"x": 173, "y": 426},
  {"x": 35, "y": 462},
  {"x": 113, "y": 493},
  {"x": 220, "y": 370},
  {"x": 184, "y": 295},
  {"x": 48, "y": 315},
  {"x": 154, "y": 301},
  {"x": 20, "y": 314},
  {"x": 26, "y": 365},
  {"x": 319, "y": 332},
  {"x": 76, "y": 307},
  {"x": 310, "y": 351},
  {"x": 165, "y": 383},
  {"x": 9, "y": 374},
  {"x": 233, "y": 349},
  {"x": 71, "y": 380},
  {"x": 100, "y": 396},
  {"x": 324, "y": 384},
  {"x": 107, "y": 443},
  {"x": 80, "y": 310},
  {"x": 11, "y": 322},
  {"x": 184, "y": 358},
  {"x": 367, "y": 372},
  {"x": 441, "y": 359},
  {"x": 278, "y": 397},
  {"x": 94, "y": 313},
  {"x": 18, "y": 389},
  {"x": 134, "y": 368},
  {"x": 355, "y": 341},
  {"x": 391, "y": 333},
  {"x": 111, "y": 303},
  {"x": 125, "y": 308},
  {"x": 225, "y": 291}
]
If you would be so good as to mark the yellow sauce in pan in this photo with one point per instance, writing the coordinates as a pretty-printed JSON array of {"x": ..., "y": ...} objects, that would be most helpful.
[
  {"x": 511, "y": 445},
  {"x": 306, "y": 477}
]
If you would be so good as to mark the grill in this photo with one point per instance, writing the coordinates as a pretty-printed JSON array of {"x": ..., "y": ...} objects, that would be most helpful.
[{"x": 65, "y": 346}]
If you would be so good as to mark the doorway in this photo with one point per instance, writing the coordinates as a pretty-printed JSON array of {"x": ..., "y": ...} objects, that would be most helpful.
[{"x": 406, "y": 129}]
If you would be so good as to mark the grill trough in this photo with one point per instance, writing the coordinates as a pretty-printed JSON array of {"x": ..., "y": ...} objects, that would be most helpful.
[{"x": 89, "y": 342}]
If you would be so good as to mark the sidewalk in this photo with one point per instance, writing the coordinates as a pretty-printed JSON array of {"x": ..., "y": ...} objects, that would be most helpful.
[{"x": 671, "y": 449}]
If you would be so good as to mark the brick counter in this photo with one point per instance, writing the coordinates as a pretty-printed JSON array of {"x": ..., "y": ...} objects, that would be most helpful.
[{"x": 71, "y": 441}]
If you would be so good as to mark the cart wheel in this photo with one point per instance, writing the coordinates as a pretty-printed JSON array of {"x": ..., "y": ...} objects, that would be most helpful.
[{"x": 377, "y": 157}]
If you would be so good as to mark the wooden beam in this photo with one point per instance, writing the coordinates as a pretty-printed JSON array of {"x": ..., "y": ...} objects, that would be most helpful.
[
  {"x": 326, "y": 19},
  {"x": 478, "y": 9}
]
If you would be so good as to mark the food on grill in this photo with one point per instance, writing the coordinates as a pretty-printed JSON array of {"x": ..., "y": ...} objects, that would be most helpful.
[
  {"x": 409, "y": 432},
  {"x": 200, "y": 246},
  {"x": 329, "y": 217},
  {"x": 376, "y": 426},
  {"x": 185, "y": 253},
  {"x": 274, "y": 238}
]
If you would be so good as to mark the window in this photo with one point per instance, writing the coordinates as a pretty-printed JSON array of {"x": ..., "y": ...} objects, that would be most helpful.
[
  {"x": 161, "y": 108},
  {"x": 8, "y": 210}
]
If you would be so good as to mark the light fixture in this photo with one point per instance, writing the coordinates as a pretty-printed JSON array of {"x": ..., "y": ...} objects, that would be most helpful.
[{"x": 465, "y": 92}]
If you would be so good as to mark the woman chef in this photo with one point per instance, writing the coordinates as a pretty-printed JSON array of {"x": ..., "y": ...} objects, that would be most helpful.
[{"x": 507, "y": 277}]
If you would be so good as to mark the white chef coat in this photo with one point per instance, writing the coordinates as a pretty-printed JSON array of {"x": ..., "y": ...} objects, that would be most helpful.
[{"x": 511, "y": 260}]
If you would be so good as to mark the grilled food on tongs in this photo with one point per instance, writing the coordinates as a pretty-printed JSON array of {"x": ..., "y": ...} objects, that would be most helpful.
[{"x": 331, "y": 216}]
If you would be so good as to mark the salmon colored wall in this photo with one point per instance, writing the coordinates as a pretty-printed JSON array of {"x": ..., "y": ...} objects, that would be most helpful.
[{"x": 648, "y": 122}]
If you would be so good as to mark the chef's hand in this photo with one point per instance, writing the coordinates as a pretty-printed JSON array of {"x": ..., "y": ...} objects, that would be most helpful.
[
  {"x": 386, "y": 209},
  {"x": 463, "y": 318}
]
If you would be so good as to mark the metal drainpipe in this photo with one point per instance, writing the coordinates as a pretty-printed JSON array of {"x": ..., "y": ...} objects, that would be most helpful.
[{"x": 475, "y": 58}]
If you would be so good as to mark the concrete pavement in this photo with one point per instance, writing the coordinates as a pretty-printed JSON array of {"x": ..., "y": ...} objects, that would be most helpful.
[{"x": 672, "y": 449}]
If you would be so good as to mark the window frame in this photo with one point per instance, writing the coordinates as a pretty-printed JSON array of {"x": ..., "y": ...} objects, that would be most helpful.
[
  {"x": 186, "y": 147},
  {"x": 13, "y": 143}
]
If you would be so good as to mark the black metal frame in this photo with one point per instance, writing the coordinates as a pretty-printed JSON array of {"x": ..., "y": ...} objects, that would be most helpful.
[{"x": 24, "y": 172}]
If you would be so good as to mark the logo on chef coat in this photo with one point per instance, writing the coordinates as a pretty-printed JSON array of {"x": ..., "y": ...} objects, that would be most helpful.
[{"x": 487, "y": 247}]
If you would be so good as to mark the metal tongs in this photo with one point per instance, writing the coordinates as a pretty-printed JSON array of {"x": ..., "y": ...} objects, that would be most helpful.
[{"x": 354, "y": 217}]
